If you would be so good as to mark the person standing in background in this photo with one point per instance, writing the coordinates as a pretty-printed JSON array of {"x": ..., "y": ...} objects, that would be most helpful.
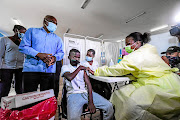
[
  {"x": 57, "y": 74},
  {"x": 11, "y": 61},
  {"x": 172, "y": 57},
  {"x": 42, "y": 48},
  {"x": 90, "y": 63}
]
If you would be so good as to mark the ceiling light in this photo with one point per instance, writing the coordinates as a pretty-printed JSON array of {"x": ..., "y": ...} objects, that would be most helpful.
[
  {"x": 85, "y": 3},
  {"x": 159, "y": 28},
  {"x": 16, "y": 21},
  {"x": 135, "y": 17},
  {"x": 120, "y": 40},
  {"x": 177, "y": 18}
]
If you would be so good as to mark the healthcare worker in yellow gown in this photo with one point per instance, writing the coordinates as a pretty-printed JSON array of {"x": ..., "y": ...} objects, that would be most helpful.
[{"x": 155, "y": 94}]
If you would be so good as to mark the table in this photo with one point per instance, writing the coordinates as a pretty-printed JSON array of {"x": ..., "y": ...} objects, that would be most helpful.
[{"x": 114, "y": 80}]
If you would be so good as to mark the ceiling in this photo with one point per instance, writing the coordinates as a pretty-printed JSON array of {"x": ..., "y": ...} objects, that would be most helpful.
[{"x": 107, "y": 17}]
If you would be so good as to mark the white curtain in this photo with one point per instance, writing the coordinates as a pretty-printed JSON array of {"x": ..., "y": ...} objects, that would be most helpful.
[
  {"x": 112, "y": 51},
  {"x": 96, "y": 45},
  {"x": 73, "y": 43}
]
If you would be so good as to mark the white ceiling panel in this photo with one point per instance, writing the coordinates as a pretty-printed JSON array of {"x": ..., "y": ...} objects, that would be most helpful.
[{"x": 107, "y": 17}]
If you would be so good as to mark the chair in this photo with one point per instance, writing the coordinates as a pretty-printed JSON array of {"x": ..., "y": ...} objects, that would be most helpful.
[{"x": 63, "y": 107}]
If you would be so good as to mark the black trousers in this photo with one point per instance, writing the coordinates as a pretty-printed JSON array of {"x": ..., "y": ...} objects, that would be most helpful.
[
  {"x": 6, "y": 80},
  {"x": 31, "y": 80},
  {"x": 58, "y": 71}
]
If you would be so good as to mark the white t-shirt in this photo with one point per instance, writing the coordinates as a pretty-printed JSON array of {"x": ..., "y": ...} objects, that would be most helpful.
[
  {"x": 93, "y": 67},
  {"x": 77, "y": 85}
]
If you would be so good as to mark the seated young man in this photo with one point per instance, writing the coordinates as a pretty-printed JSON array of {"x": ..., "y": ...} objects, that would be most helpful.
[{"x": 76, "y": 79}]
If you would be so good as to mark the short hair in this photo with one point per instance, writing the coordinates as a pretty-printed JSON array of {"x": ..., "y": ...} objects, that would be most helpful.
[
  {"x": 19, "y": 27},
  {"x": 73, "y": 50},
  {"x": 92, "y": 50},
  {"x": 49, "y": 17}
]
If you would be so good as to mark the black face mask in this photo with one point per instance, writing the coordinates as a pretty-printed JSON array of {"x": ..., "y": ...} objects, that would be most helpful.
[
  {"x": 173, "y": 61},
  {"x": 74, "y": 62}
]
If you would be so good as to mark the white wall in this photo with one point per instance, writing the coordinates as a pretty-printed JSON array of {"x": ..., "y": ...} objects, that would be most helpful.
[
  {"x": 73, "y": 43},
  {"x": 96, "y": 45},
  {"x": 163, "y": 41},
  {"x": 82, "y": 45},
  {"x": 112, "y": 51}
]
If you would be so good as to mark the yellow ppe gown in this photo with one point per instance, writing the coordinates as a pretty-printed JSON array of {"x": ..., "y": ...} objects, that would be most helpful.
[{"x": 156, "y": 93}]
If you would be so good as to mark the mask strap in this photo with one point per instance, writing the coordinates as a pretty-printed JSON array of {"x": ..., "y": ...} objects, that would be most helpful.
[
  {"x": 18, "y": 31},
  {"x": 133, "y": 44},
  {"x": 134, "y": 48},
  {"x": 45, "y": 23},
  {"x": 19, "y": 34},
  {"x": 46, "y": 20}
]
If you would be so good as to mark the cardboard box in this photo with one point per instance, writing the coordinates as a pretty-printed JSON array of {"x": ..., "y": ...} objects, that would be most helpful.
[{"x": 20, "y": 100}]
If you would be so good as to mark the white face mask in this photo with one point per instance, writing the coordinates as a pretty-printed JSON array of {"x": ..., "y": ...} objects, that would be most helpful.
[{"x": 89, "y": 58}]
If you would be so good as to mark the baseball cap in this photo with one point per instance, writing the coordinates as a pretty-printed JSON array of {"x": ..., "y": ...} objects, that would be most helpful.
[{"x": 172, "y": 49}]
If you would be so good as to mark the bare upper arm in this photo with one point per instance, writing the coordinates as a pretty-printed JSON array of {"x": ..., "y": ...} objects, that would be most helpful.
[{"x": 66, "y": 74}]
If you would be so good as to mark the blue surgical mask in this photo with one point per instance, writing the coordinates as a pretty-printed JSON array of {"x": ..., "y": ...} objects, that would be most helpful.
[
  {"x": 21, "y": 35},
  {"x": 89, "y": 58},
  {"x": 51, "y": 26}
]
